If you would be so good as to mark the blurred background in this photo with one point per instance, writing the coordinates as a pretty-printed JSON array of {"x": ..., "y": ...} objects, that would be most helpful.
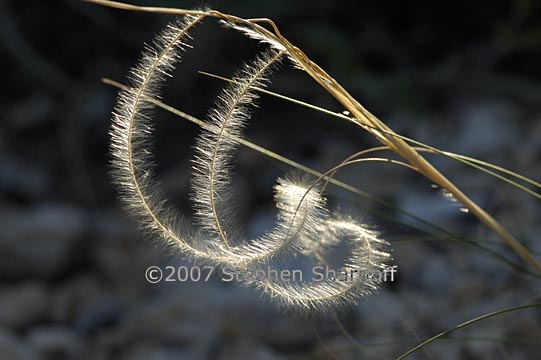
[{"x": 459, "y": 75}]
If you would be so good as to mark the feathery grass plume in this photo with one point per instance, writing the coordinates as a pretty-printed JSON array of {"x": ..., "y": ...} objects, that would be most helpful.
[
  {"x": 301, "y": 211},
  {"x": 367, "y": 256},
  {"x": 214, "y": 151},
  {"x": 302, "y": 222},
  {"x": 303, "y": 219},
  {"x": 131, "y": 128},
  {"x": 254, "y": 34},
  {"x": 299, "y": 215}
]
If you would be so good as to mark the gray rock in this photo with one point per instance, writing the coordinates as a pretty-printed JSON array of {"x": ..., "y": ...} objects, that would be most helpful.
[
  {"x": 22, "y": 178},
  {"x": 248, "y": 350},
  {"x": 494, "y": 121},
  {"x": 72, "y": 299},
  {"x": 278, "y": 330},
  {"x": 437, "y": 276},
  {"x": 84, "y": 304},
  {"x": 377, "y": 314},
  {"x": 22, "y": 305},
  {"x": 12, "y": 348},
  {"x": 154, "y": 352},
  {"x": 40, "y": 241},
  {"x": 166, "y": 320},
  {"x": 54, "y": 342},
  {"x": 103, "y": 312}
]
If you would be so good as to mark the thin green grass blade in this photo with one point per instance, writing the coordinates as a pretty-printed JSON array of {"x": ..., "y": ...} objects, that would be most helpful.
[{"x": 464, "y": 324}]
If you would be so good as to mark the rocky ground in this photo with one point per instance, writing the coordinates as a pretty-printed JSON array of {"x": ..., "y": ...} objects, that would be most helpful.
[{"x": 72, "y": 262}]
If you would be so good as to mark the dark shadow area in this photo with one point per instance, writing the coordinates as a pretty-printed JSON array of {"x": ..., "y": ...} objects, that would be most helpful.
[{"x": 459, "y": 75}]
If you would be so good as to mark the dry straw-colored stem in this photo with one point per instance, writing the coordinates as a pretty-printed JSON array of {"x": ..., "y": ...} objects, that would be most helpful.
[{"x": 363, "y": 117}]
